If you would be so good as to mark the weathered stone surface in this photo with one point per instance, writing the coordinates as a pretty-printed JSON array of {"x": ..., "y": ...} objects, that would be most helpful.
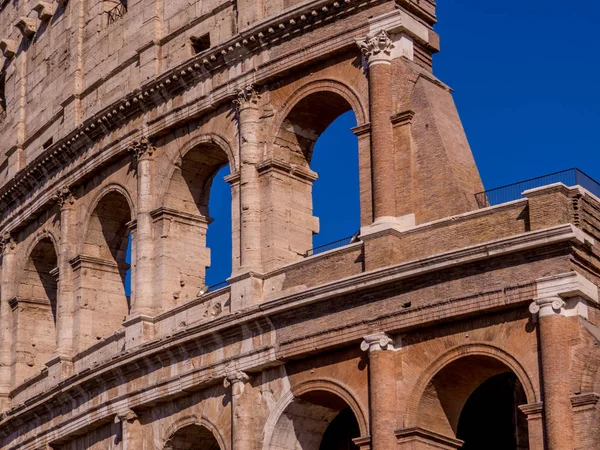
[{"x": 119, "y": 114}]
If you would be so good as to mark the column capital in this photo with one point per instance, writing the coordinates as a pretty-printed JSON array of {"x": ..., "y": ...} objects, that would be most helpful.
[
  {"x": 7, "y": 243},
  {"x": 64, "y": 197},
  {"x": 547, "y": 306},
  {"x": 377, "y": 342},
  {"x": 235, "y": 377},
  {"x": 246, "y": 97},
  {"x": 377, "y": 49},
  {"x": 128, "y": 416},
  {"x": 142, "y": 149}
]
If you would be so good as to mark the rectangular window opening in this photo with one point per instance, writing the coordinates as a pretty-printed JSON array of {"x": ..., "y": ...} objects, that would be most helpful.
[
  {"x": 2, "y": 95},
  {"x": 115, "y": 9},
  {"x": 200, "y": 44}
]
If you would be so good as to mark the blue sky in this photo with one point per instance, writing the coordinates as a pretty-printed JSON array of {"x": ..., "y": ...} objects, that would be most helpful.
[{"x": 526, "y": 76}]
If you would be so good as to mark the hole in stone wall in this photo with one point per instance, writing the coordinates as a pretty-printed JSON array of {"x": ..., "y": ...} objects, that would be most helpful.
[{"x": 200, "y": 44}]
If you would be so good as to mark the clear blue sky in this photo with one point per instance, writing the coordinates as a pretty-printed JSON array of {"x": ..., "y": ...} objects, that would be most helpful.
[{"x": 526, "y": 76}]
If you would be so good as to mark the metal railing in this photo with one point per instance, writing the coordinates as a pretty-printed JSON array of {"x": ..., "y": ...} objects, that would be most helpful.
[
  {"x": 504, "y": 194},
  {"x": 117, "y": 12},
  {"x": 333, "y": 245}
]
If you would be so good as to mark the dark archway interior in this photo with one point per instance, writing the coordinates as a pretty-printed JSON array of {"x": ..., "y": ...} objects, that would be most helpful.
[
  {"x": 491, "y": 418},
  {"x": 341, "y": 431},
  {"x": 193, "y": 437},
  {"x": 317, "y": 420}
]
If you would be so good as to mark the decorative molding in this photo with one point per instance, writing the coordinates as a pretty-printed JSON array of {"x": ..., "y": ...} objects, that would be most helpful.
[
  {"x": 377, "y": 342},
  {"x": 142, "y": 149},
  {"x": 402, "y": 118},
  {"x": 7, "y": 243},
  {"x": 532, "y": 410},
  {"x": 288, "y": 169},
  {"x": 424, "y": 435},
  {"x": 377, "y": 49},
  {"x": 64, "y": 197},
  {"x": 547, "y": 305},
  {"x": 585, "y": 401},
  {"x": 237, "y": 380},
  {"x": 128, "y": 416},
  {"x": 45, "y": 10},
  {"x": 247, "y": 97},
  {"x": 362, "y": 130},
  {"x": 91, "y": 262},
  {"x": 27, "y": 26},
  {"x": 8, "y": 48}
]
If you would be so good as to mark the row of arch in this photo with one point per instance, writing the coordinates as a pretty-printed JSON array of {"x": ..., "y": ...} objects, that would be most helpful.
[
  {"x": 107, "y": 243},
  {"x": 478, "y": 395}
]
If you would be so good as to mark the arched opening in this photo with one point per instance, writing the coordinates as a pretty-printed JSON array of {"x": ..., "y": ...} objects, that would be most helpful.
[
  {"x": 476, "y": 399},
  {"x": 317, "y": 420},
  {"x": 184, "y": 222},
  {"x": 35, "y": 316},
  {"x": 499, "y": 427},
  {"x": 105, "y": 301},
  {"x": 192, "y": 437},
  {"x": 316, "y": 136}
]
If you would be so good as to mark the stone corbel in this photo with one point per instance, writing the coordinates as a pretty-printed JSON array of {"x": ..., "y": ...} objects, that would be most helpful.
[
  {"x": 44, "y": 10},
  {"x": 8, "y": 48},
  {"x": 27, "y": 26},
  {"x": 377, "y": 342}
]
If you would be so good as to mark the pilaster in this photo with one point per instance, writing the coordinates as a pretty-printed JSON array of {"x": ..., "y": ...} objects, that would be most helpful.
[
  {"x": 377, "y": 51},
  {"x": 8, "y": 247},
  {"x": 243, "y": 411},
  {"x": 382, "y": 390}
]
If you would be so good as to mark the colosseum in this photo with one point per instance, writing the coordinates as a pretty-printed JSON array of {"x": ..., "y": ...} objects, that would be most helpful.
[{"x": 452, "y": 320}]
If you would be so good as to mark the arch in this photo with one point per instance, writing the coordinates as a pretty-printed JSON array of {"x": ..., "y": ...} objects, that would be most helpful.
[
  {"x": 297, "y": 129},
  {"x": 190, "y": 420},
  {"x": 323, "y": 385},
  {"x": 494, "y": 358},
  {"x": 103, "y": 256},
  {"x": 192, "y": 143},
  {"x": 35, "y": 318},
  {"x": 43, "y": 234},
  {"x": 323, "y": 85}
]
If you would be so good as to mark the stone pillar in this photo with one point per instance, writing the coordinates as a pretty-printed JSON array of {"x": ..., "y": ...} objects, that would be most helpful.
[
  {"x": 377, "y": 51},
  {"x": 250, "y": 157},
  {"x": 65, "y": 304},
  {"x": 7, "y": 293},
  {"x": 555, "y": 331},
  {"x": 143, "y": 300},
  {"x": 243, "y": 412},
  {"x": 132, "y": 437},
  {"x": 382, "y": 390}
]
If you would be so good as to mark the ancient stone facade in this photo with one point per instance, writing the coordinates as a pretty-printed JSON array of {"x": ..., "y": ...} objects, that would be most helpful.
[{"x": 444, "y": 326}]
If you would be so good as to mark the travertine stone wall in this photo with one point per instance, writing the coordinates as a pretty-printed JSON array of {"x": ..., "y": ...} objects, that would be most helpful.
[{"x": 118, "y": 117}]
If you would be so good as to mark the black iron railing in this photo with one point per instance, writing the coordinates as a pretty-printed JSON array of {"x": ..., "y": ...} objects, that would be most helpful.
[
  {"x": 571, "y": 177},
  {"x": 117, "y": 12},
  {"x": 333, "y": 245}
]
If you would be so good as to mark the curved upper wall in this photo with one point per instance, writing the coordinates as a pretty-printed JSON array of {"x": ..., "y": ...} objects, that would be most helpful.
[{"x": 65, "y": 62}]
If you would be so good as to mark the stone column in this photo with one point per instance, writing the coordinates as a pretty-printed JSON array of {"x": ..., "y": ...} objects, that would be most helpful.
[
  {"x": 377, "y": 52},
  {"x": 7, "y": 292},
  {"x": 143, "y": 300},
  {"x": 132, "y": 437},
  {"x": 65, "y": 305},
  {"x": 242, "y": 412},
  {"x": 555, "y": 331},
  {"x": 382, "y": 390},
  {"x": 250, "y": 157}
]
